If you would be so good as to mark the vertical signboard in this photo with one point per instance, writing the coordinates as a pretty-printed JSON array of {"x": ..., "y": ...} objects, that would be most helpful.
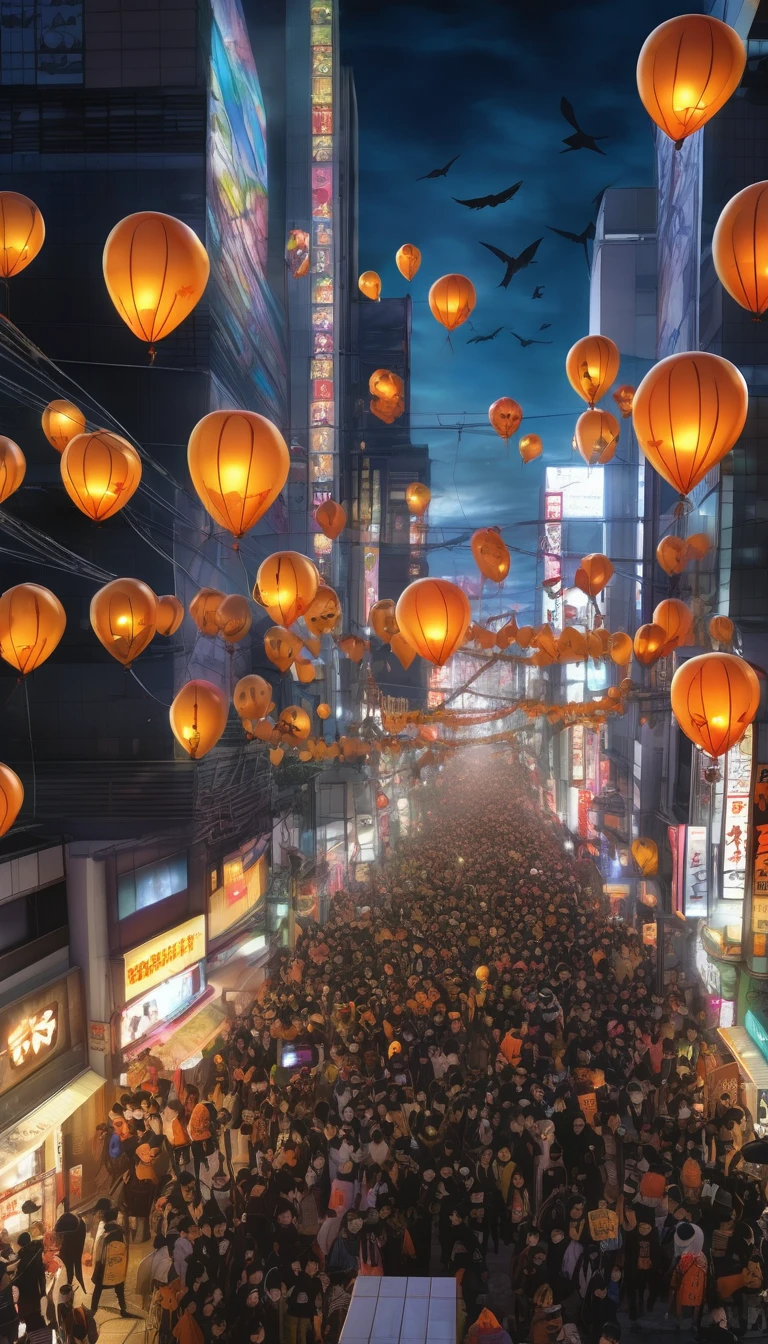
[
  {"x": 738, "y": 776},
  {"x": 695, "y": 890},
  {"x": 577, "y": 753},
  {"x": 760, "y": 864},
  {"x": 676, "y": 837}
]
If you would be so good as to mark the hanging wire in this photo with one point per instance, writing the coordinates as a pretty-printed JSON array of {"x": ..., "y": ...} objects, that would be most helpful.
[{"x": 31, "y": 750}]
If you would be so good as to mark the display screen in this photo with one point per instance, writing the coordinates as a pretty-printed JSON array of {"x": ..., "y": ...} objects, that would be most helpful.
[{"x": 160, "y": 1004}]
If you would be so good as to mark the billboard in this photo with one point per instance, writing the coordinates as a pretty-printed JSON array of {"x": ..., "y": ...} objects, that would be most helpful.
[
  {"x": 582, "y": 489},
  {"x": 247, "y": 351}
]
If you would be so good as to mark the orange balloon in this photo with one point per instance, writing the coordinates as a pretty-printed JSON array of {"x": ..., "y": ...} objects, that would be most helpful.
[
  {"x": 505, "y": 415},
  {"x": 281, "y": 647},
  {"x": 451, "y": 300},
  {"x": 124, "y": 618},
  {"x": 597, "y": 437},
  {"x": 233, "y": 618},
  {"x": 408, "y": 260},
  {"x": 620, "y": 648},
  {"x": 61, "y": 422},
  {"x": 203, "y": 608},
  {"x": 13, "y": 465},
  {"x": 687, "y": 70},
  {"x": 490, "y": 554},
  {"x": 672, "y": 554},
  {"x": 402, "y": 650},
  {"x": 286, "y": 584},
  {"x": 276, "y": 755},
  {"x": 721, "y": 629},
  {"x": 170, "y": 614},
  {"x": 381, "y": 619},
  {"x": 155, "y": 269},
  {"x": 594, "y": 572},
  {"x": 649, "y": 643},
  {"x": 524, "y": 636},
  {"x": 22, "y": 232},
  {"x": 433, "y": 615},
  {"x": 417, "y": 497},
  {"x": 239, "y": 463},
  {"x": 369, "y": 284},
  {"x": 676, "y": 620},
  {"x": 295, "y": 723},
  {"x": 530, "y": 447},
  {"x": 698, "y": 545},
  {"x": 305, "y": 670},
  {"x": 323, "y": 711},
  {"x": 688, "y": 412},
  {"x": 740, "y": 248},
  {"x": 591, "y": 365},
  {"x": 386, "y": 385},
  {"x": 324, "y": 611},
  {"x": 32, "y": 621},
  {"x": 388, "y": 411},
  {"x": 715, "y": 698},
  {"x": 624, "y": 396},
  {"x": 198, "y": 716},
  {"x": 11, "y": 797},
  {"x": 353, "y": 647},
  {"x": 100, "y": 471},
  {"x": 331, "y": 518},
  {"x": 252, "y": 697}
]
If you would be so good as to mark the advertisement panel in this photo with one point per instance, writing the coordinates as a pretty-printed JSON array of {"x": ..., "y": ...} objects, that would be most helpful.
[
  {"x": 738, "y": 776},
  {"x": 695, "y": 891},
  {"x": 160, "y": 1004},
  {"x": 245, "y": 877},
  {"x": 154, "y": 961},
  {"x": 577, "y": 753}
]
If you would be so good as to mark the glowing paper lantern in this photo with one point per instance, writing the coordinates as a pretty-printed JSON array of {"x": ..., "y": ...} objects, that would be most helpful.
[
  {"x": 408, "y": 260},
  {"x": 198, "y": 716},
  {"x": 676, "y": 620},
  {"x": 591, "y": 365},
  {"x": 620, "y": 648},
  {"x": 251, "y": 697},
  {"x": 402, "y": 650},
  {"x": 490, "y": 554},
  {"x": 687, "y": 70},
  {"x": 61, "y": 422},
  {"x": 688, "y": 412},
  {"x": 32, "y": 621},
  {"x": 451, "y": 300},
  {"x": 433, "y": 615},
  {"x": 170, "y": 614},
  {"x": 530, "y": 447},
  {"x": 721, "y": 630},
  {"x": 715, "y": 698},
  {"x": 155, "y": 269},
  {"x": 286, "y": 584},
  {"x": 331, "y": 518},
  {"x": 672, "y": 554},
  {"x": 597, "y": 437},
  {"x": 100, "y": 471},
  {"x": 624, "y": 397},
  {"x": 369, "y": 284},
  {"x": 281, "y": 647},
  {"x": 11, "y": 797},
  {"x": 124, "y": 618},
  {"x": 323, "y": 711},
  {"x": 506, "y": 415},
  {"x": 324, "y": 611},
  {"x": 740, "y": 248},
  {"x": 13, "y": 465},
  {"x": 353, "y": 648},
  {"x": 698, "y": 545},
  {"x": 594, "y": 572},
  {"x": 294, "y": 722},
  {"x": 649, "y": 643},
  {"x": 233, "y": 618},
  {"x": 22, "y": 232},
  {"x": 417, "y": 497},
  {"x": 381, "y": 619},
  {"x": 385, "y": 385},
  {"x": 387, "y": 411},
  {"x": 645, "y": 852},
  {"x": 203, "y": 608},
  {"x": 239, "y": 463}
]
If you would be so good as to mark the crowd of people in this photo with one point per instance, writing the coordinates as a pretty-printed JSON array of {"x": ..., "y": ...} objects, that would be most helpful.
[{"x": 470, "y": 1065}]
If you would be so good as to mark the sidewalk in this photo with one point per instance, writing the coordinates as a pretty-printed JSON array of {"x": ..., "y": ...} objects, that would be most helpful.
[{"x": 113, "y": 1328}]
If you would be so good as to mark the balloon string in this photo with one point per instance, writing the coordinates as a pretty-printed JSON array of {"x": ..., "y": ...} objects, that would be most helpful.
[
  {"x": 31, "y": 750},
  {"x": 146, "y": 688}
]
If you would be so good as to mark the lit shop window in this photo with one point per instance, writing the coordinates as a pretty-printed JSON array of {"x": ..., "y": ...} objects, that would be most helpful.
[
  {"x": 321, "y": 467},
  {"x": 322, "y": 545}
]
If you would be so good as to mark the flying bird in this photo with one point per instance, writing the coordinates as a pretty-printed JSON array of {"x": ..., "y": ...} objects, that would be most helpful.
[
  {"x": 538, "y": 292},
  {"x": 584, "y": 237},
  {"x": 580, "y": 140},
  {"x": 528, "y": 340},
  {"x": 544, "y": 326},
  {"x": 476, "y": 340},
  {"x": 480, "y": 202},
  {"x": 439, "y": 172},
  {"x": 513, "y": 264}
]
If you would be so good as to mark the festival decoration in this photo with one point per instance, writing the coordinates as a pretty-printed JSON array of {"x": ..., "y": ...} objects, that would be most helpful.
[
  {"x": 294, "y": 723},
  {"x": 620, "y": 648},
  {"x": 323, "y": 711},
  {"x": 382, "y": 621},
  {"x": 672, "y": 554},
  {"x": 624, "y": 397},
  {"x": 688, "y": 412},
  {"x": 403, "y": 651},
  {"x": 369, "y": 284},
  {"x": 203, "y": 608},
  {"x": 451, "y": 300},
  {"x": 386, "y": 385},
  {"x": 740, "y": 248},
  {"x": 198, "y": 717},
  {"x": 676, "y": 620},
  {"x": 687, "y": 70},
  {"x": 506, "y": 415},
  {"x": 155, "y": 270},
  {"x": 417, "y": 497},
  {"x": 387, "y": 411},
  {"x": 530, "y": 447},
  {"x": 721, "y": 630},
  {"x": 592, "y": 575},
  {"x": 649, "y": 643},
  {"x": 62, "y": 421},
  {"x": 591, "y": 365},
  {"x": 324, "y": 611},
  {"x": 100, "y": 471},
  {"x": 252, "y": 698},
  {"x": 22, "y": 233},
  {"x": 170, "y": 614},
  {"x": 11, "y": 798},
  {"x": 233, "y": 618},
  {"x": 597, "y": 437},
  {"x": 353, "y": 647},
  {"x": 331, "y": 518},
  {"x": 698, "y": 545},
  {"x": 281, "y": 647},
  {"x": 433, "y": 615},
  {"x": 124, "y": 618},
  {"x": 408, "y": 260},
  {"x": 32, "y": 622},
  {"x": 276, "y": 755},
  {"x": 13, "y": 466},
  {"x": 490, "y": 554},
  {"x": 286, "y": 584},
  {"x": 239, "y": 463},
  {"x": 715, "y": 698}
]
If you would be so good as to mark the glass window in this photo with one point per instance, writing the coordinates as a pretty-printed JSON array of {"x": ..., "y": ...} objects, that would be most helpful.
[{"x": 147, "y": 886}]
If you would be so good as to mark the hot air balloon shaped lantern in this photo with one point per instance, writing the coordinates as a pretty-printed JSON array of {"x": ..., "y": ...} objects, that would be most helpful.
[
  {"x": 452, "y": 299},
  {"x": 124, "y": 618},
  {"x": 433, "y": 615},
  {"x": 506, "y": 415},
  {"x": 592, "y": 365},
  {"x": 198, "y": 717},
  {"x": 331, "y": 518},
  {"x": 286, "y": 585},
  {"x": 239, "y": 463},
  {"x": 386, "y": 385},
  {"x": 715, "y": 698},
  {"x": 687, "y": 70},
  {"x": 32, "y": 622},
  {"x": 369, "y": 284},
  {"x": 592, "y": 575},
  {"x": 155, "y": 270},
  {"x": 22, "y": 234},
  {"x": 408, "y": 260},
  {"x": 417, "y": 497},
  {"x": 101, "y": 472},
  {"x": 11, "y": 797},
  {"x": 597, "y": 437},
  {"x": 170, "y": 614},
  {"x": 62, "y": 421},
  {"x": 13, "y": 466},
  {"x": 530, "y": 447}
]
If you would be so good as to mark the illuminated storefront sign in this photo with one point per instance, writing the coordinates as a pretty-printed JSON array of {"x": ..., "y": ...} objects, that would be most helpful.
[
  {"x": 695, "y": 891},
  {"x": 738, "y": 773},
  {"x": 577, "y": 753},
  {"x": 164, "y": 956},
  {"x": 243, "y": 882},
  {"x": 160, "y": 1005},
  {"x": 35, "y": 1036},
  {"x": 38, "y": 1028}
]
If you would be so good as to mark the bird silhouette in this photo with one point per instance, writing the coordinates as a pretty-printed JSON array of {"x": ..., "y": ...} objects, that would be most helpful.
[
  {"x": 439, "y": 172},
  {"x": 584, "y": 237},
  {"x": 528, "y": 340},
  {"x": 544, "y": 326},
  {"x": 480, "y": 202},
  {"x": 538, "y": 292},
  {"x": 476, "y": 340},
  {"x": 580, "y": 140},
  {"x": 513, "y": 264}
]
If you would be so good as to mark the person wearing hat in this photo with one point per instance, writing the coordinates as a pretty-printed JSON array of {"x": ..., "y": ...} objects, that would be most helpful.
[{"x": 71, "y": 1231}]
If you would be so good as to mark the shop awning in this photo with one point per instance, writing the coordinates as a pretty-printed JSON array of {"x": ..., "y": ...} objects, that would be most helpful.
[
  {"x": 192, "y": 1036},
  {"x": 34, "y": 1129},
  {"x": 747, "y": 1056}
]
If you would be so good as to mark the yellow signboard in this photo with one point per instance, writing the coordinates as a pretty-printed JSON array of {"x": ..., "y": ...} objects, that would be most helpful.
[{"x": 163, "y": 956}]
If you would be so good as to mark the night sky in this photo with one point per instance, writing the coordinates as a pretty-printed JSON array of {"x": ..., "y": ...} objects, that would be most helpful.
[{"x": 436, "y": 78}]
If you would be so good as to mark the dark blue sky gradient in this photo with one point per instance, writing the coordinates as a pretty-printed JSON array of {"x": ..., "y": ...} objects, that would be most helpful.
[{"x": 436, "y": 78}]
